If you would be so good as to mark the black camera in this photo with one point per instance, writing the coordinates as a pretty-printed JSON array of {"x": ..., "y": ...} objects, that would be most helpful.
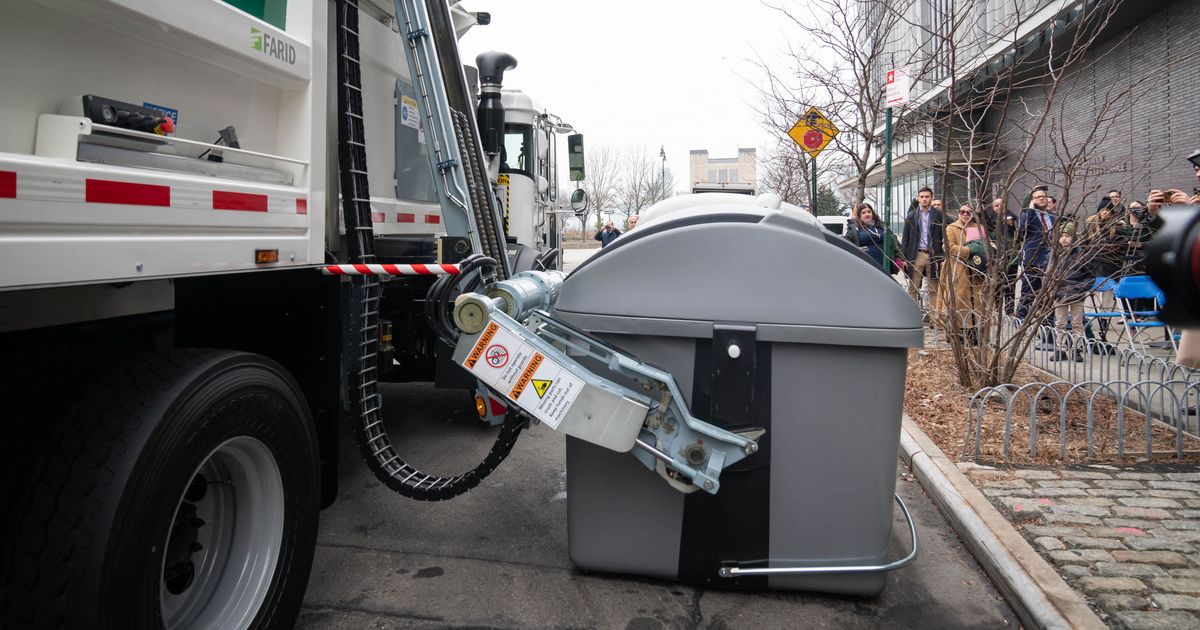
[{"x": 1173, "y": 261}]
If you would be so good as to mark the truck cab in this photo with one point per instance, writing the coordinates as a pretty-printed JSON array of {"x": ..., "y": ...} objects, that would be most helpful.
[{"x": 526, "y": 183}]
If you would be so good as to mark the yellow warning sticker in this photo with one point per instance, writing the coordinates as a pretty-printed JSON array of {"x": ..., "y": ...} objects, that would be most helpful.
[
  {"x": 527, "y": 375},
  {"x": 477, "y": 351},
  {"x": 553, "y": 393},
  {"x": 511, "y": 365}
]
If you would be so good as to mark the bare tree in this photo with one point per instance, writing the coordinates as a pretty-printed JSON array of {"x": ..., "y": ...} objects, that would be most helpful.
[
  {"x": 1000, "y": 128},
  {"x": 640, "y": 183},
  {"x": 842, "y": 49},
  {"x": 603, "y": 171},
  {"x": 786, "y": 172}
]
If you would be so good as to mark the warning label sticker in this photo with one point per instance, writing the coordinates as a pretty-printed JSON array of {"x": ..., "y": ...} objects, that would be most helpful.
[
  {"x": 477, "y": 351},
  {"x": 408, "y": 112},
  {"x": 539, "y": 385}
]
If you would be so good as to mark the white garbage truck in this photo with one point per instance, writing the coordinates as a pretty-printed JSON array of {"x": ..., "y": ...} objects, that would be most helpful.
[
  {"x": 210, "y": 255},
  {"x": 174, "y": 176},
  {"x": 206, "y": 265}
]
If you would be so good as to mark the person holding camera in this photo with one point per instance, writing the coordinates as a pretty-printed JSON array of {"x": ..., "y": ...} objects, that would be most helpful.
[
  {"x": 608, "y": 234},
  {"x": 1106, "y": 238},
  {"x": 1182, "y": 249}
]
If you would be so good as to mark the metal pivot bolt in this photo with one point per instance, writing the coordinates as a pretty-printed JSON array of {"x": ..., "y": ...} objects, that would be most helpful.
[
  {"x": 138, "y": 266},
  {"x": 695, "y": 454},
  {"x": 470, "y": 313},
  {"x": 734, "y": 351}
]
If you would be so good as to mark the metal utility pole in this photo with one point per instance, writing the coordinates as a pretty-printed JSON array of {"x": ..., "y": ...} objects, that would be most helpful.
[{"x": 662, "y": 183}]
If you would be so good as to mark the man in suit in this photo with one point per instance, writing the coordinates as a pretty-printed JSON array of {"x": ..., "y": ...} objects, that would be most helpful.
[
  {"x": 923, "y": 239},
  {"x": 1036, "y": 230}
]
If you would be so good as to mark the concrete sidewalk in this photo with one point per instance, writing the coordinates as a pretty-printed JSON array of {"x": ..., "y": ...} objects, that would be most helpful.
[{"x": 1128, "y": 538}]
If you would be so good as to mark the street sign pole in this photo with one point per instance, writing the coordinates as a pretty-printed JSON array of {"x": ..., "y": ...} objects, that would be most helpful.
[
  {"x": 897, "y": 90},
  {"x": 887, "y": 194},
  {"x": 813, "y": 200}
]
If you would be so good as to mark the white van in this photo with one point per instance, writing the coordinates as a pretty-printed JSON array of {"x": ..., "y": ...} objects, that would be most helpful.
[{"x": 834, "y": 223}]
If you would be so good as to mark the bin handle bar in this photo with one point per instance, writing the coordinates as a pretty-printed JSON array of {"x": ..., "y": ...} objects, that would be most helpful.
[{"x": 735, "y": 571}]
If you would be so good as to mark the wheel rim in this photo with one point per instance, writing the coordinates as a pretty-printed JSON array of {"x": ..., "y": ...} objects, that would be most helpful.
[{"x": 225, "y": 539}]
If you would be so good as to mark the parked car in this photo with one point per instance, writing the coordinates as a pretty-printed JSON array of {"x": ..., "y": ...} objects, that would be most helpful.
[{"x": 834, "y": 223}]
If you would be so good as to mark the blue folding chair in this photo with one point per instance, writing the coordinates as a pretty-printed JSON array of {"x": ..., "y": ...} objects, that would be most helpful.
[
  {"x": 1101, "y": 284},
  {"x": 1135, "y": 321}
]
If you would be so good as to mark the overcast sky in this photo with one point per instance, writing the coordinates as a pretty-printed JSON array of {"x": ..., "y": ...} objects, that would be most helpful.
[{"x": 672, "y": 73}]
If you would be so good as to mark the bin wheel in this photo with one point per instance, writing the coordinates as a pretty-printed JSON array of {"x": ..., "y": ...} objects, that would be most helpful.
[{"x": 184, "y": 493}]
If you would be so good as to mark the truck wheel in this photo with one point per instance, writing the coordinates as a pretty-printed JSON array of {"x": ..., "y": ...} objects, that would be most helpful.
[{"x": 183, "y": 494}]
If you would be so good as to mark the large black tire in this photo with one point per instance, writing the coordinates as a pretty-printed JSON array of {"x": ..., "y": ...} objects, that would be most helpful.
[{"x": 101, "y": 525}]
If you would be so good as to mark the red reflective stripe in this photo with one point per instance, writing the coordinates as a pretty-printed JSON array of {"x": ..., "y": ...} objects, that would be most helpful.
[
  {"x": 433, "y": 218},
  {"x": 8, "y": 184},
  {"x": 422, "y": 269},
  {"x": 378, "y": 217},
  {"x": 390, "y": 268},
  {"x": 451, "y": 269},
  {"x": 406, "y": 217},
  {"x": 223, "y": 200},
  {"x": 302, "y": 206},
  {"x": 105, "y": 191},
  {"x": 498, "y": 408},
  {"x": 362, "y": 268},
  {"x": 335, "y": 270}
]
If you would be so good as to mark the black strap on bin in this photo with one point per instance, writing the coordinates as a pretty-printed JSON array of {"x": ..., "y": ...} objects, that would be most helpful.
[{"x": 734, "y": 523}]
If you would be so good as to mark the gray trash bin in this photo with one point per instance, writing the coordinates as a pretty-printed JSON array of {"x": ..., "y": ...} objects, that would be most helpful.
[{"x": 767, "y": 320}]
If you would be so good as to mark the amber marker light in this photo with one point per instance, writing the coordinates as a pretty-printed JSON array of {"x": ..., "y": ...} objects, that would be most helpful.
[
  {"x": 266, "y": 256},
  {"x": 481, "y": 406}
]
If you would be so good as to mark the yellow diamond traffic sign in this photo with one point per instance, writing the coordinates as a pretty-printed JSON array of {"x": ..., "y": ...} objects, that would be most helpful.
[{"x": 813, "y": 132}]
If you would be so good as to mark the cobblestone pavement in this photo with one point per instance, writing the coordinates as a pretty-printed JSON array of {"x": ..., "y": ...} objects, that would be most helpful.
[{"x": 1127, "y": 538}]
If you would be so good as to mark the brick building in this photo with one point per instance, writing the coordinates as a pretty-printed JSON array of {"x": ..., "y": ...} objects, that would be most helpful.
[{"x": 1140, "y": 79}]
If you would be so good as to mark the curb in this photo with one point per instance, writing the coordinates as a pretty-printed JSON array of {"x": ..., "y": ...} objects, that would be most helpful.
[{"x": 1037, "y": 594}]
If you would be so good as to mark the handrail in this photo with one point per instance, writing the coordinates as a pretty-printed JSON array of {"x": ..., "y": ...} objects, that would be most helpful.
[
  {"x": 736, "y": 571},
  {"x": 194, "y": 143}
]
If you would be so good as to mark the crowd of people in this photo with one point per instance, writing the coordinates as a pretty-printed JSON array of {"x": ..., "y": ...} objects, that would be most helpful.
[{"x": 1046, "y": 252}]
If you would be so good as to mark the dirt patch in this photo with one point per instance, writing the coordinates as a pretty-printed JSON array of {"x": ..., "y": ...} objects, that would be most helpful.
[{"x": 938, "y": 404}]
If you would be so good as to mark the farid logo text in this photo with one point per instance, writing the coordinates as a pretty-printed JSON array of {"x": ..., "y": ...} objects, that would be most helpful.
[{"x": 272, "y": 47}]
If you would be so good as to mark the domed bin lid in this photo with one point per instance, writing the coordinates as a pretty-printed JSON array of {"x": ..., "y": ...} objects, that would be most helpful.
[{"x": 755, "y": 262}]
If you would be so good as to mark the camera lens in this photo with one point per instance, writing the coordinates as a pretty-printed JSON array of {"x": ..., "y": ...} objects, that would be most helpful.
[
  {"x": 1173, "y": 261},
  {"x": 108, "y": 115}
]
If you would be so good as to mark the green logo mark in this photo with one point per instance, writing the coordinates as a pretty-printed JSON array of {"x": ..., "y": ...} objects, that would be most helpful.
[{"x": 256, "y": 39}]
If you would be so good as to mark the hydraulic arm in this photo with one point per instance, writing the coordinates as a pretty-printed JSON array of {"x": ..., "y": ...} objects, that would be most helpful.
[{"x": 584, "y": 387}]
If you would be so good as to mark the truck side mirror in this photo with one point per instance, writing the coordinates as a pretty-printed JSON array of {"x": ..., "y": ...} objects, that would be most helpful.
[{"x": 579, "y": 201}]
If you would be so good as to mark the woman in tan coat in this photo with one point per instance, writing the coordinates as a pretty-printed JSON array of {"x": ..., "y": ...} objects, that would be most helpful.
[{"x": 963, "y": 271}]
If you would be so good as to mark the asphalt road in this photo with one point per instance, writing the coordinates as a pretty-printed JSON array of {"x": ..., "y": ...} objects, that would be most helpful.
[{"x": 496, "y": 557}]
